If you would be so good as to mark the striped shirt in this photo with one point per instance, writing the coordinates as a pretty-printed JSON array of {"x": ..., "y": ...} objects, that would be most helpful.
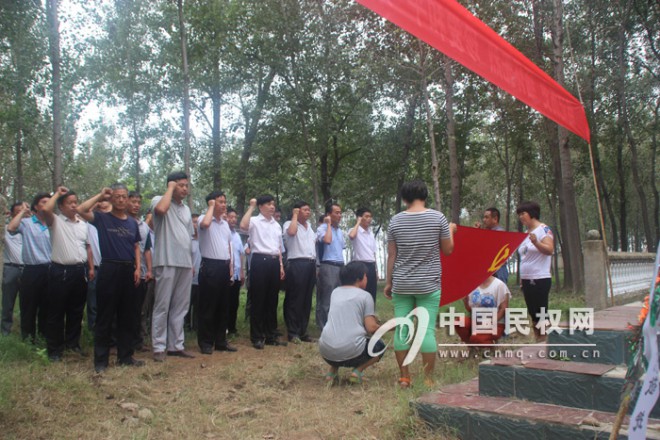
[{"x": 417, "y": 235}]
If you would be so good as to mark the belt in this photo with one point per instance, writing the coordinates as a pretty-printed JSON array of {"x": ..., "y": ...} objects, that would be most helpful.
[
  {"x": 42, "y": 265},
  {"x": 70, "y": 266},
  {"x": 303, "y": 260},
  {"x": 213, "y": 260},
  {"x": 333, "y": 263},
  {"x": 119, "y": 262},
  {"x": 20, "y": 266},
  {"x": 272, "y": 257}
]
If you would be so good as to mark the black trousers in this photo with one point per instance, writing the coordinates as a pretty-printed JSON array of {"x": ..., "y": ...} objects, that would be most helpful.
[
  {"x": 372, "y": 279},
  {"x": 140, "y": 295},
  {"x": 67, "y": 292},
  {"x": 300, "y": 281},
  {"x": 191, "y": 321},
  {"x": 234, "y": 301},
  {"x": 115, "y": 297},
  {"x": 213, "y": 303},
  {"x": 264, "y": 291},
  {"x": 32, "y": 300}
]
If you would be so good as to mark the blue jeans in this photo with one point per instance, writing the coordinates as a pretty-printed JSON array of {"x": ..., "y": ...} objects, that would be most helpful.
[{"x": 11, "y": 280}]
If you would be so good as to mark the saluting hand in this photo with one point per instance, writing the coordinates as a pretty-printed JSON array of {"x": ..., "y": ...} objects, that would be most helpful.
[
  {"x": 253, "y": 203},
  {"x": 295, "y": 212}
]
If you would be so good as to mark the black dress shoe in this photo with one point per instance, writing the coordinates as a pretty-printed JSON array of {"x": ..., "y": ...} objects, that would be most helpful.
[
  {"x": 131, "y": 362},
  {"x": 226, "y": 347},
  {"x": 259, "y": 345},
  {"x": 55, "y": 358},
  {"x": 276, "y": 343},
  {"x": 100, "y": 368},
  {"x": 307, "y": 338},
  {"x": 206, "y": 350},
  {"x": 181, "y": 354}
]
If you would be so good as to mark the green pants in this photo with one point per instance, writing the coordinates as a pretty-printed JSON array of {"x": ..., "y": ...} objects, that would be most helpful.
[{"x": 404, "y": 304}]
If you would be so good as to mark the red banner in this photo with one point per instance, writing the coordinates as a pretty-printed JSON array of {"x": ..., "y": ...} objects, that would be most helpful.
[
  {"x": 454, "y": 31},
  {"x": 478, "y": 253}
]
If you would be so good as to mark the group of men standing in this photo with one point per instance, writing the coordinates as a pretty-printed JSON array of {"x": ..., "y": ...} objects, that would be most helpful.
[{"x": 102, "y": 243}]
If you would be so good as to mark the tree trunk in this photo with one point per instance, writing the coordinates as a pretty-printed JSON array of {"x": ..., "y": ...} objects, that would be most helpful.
[
  {"x": 451, "y": 143},
  {"x": 624, "y": 121},
  {"x": 19, "y": 183},
  {"x": 435, "y": 172},
  {"x": 56, "y": 83},
  {"x": 186, "y": 94},
  {"x": 252, "y": 120},
  {"x": 572, "y": 241},
  {"x": 654, "y": 179},
  {"x": 215, "y": 134},
  {"x": 408, "y": 138}
]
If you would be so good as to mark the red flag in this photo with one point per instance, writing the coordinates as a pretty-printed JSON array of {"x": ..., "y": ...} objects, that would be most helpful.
[
  {"x": 478, "y": 253},
  {"x": 454, "y": 31}
]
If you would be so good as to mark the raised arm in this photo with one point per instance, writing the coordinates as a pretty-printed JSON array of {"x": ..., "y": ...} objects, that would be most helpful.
[
  {"x": 48, "y": 210},
  {"x": 15, "y": 222},
  {"x": 245, "y": 221},
  {"x": 164, "y": 203},
  {"x": 208, "y": 217},
  {"x": 354, "y": 230},
  {"x": 292, "y": 230},
  {"x": 327, "y": 238},
  {"x": 86, "y": 207},
  {"x": 545, "y": 246}
]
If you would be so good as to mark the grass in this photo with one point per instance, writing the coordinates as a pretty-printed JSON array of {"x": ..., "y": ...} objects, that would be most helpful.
[{"x": 277, "y": 393}]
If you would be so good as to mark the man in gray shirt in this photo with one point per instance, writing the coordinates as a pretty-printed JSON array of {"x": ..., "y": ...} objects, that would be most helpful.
[
  {"x": 172, "y": 262},
  {"x": 351, "y": 319}
]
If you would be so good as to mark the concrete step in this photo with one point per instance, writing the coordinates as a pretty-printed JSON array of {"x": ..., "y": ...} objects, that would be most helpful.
[
  {"x": 462, "y": 410},
  {"x": 574, "y": 384},
  {"x": 608, "y": 343}
]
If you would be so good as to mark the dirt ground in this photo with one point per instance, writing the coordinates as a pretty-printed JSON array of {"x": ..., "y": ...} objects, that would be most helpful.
[{"x": 276, "y": 393}]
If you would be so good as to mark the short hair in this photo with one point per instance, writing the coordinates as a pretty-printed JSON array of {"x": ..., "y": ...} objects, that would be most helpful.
[
  {"x": 16, "y": 204},
  {"x": 329, "y": 206},
  {"x": 194, "y": 214},
  {"x": 177, "y": 175},
  {"x": 66, "y": 195},
  {"x": 531, "y": 208},
  {"x": 321, "y": 218},
  {"x": 134, "y": 195},
  {"x": 230, "y": 210},
  {"x": 299, "y": 204},
  {"x": 265, "y": 198},
  {"x": 414, "y": 190},
  {"x": 361, "y": 211},
  {"x": 494, "y": 212},
  {"x": 214, "y": 195},
  {"x": 118, "y": 185},
  {"x": 37, "y": 198},
  {"x": 352, "y": 273}
]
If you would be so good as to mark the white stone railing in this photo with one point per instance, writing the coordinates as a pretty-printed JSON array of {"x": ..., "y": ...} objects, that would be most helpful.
[{"x": 631, "y": 272}]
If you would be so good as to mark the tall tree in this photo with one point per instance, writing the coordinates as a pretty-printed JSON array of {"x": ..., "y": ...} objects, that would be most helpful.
[{"x": 55, "y": 84}]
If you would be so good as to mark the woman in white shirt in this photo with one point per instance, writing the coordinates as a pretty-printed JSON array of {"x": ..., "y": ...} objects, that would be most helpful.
[{"x": 535, "y": 260}]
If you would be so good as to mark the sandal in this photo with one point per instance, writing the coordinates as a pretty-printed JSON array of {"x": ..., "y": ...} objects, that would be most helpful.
[
  {"x": 331, "y": 379},
  {"x": 356, "y": 376},
  {"x": 404, "y": 382}
]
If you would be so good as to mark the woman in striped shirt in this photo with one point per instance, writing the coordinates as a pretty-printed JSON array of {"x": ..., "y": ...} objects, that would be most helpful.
[{"x": 415, "y": 239}]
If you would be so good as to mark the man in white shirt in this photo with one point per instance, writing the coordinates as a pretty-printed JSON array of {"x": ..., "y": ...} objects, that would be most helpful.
[
  {"x": 300, "y": 242},
  {"x": 215, "y": 274},
  {"x": 67, "y": 278},
  {"x": 364, "y": 248},
  {"x": 11, "y": 272},
  {"x": 266, "y": 270}
]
